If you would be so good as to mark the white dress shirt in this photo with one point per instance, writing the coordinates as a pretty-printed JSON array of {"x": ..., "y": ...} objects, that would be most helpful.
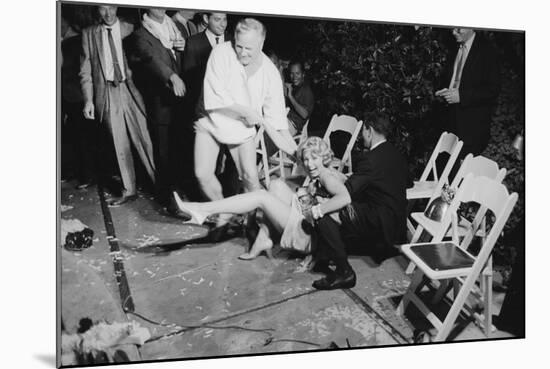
[
  {"x": 467, "y": 46},
  {"x": 212, "y": 38},
  {"x": 117, "y": 38}
]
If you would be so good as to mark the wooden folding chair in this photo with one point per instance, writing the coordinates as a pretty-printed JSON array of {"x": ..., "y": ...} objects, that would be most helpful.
[
  {"x": 452, "y": 261},
  {"x": 424, "y": 188}
]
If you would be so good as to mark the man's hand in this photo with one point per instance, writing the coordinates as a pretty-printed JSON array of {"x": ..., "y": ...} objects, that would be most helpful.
[
  {"x": 89, "y": 110},
  {"x": 287, "y": 89},
  {"x": 178, "y": 87},
  {"x": 451, "y": 96},
  {"x": 251, "y": 119}
]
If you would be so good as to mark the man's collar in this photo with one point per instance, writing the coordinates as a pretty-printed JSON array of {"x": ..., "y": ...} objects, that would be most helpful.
[
  {"x": 377, "y": 144},
  {"x": 468, "y": 43},
  {"x": 112, "y": 26}
]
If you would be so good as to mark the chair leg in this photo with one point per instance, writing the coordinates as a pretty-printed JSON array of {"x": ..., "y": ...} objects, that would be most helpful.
[
  {"x": 453, "y": 313},
  {"x": 416, "y": 282},
  {"x": 416, "y": 236},
  {"x": 487, "y": 280},
  {"x": 442, "y": 290}
]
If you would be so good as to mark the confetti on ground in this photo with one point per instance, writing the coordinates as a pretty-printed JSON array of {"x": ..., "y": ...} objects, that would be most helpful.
[
  {"x": 148, "y": 240},
  {"x": 287, "y": 291},
  {"x": 210, "y": 284},
  {"x": 198, "y": 307},
  {"x": 199, "y": 282},
  {"x": 66, "y": 207}
]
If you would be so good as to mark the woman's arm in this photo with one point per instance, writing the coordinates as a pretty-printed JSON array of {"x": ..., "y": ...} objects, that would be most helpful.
[{"x": 340, "y": 195}]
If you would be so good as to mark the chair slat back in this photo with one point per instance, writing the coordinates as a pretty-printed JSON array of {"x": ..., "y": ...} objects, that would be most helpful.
[
  {"x": 344, "y": 123},
  {"x": 347, "y": 124},
  {"x": 448, "y": 143},
  {"x": 478, "y": 166},
  {"x": 490, "y": 194}
]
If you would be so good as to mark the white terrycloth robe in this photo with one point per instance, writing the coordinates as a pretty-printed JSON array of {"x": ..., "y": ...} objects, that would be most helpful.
[{"x": 226, "y": 83}]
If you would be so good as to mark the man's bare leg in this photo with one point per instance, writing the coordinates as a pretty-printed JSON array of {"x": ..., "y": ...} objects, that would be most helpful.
[{"x": 206, "y": 154}]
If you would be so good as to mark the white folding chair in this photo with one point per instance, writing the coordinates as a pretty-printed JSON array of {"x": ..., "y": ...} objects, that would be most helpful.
[
  {"x": 353, "y": 127},
  {"x": 425, "y": 187},
  {"x": 476, "y": 166},
  {"x": 452, "y": 261}
]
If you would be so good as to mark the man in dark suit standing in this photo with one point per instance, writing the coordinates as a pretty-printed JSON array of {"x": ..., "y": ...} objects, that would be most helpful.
[
  {"x": 373, "y": 221},
  {"x": 184, "y": 21},
  {"x": 470, "y": 86},
  {"x": 111, "y": 97},
  {"x": 158, "y": 46}
]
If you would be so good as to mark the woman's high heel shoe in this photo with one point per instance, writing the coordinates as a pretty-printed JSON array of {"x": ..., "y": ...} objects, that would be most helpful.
[{"x": 196, "y": 217}]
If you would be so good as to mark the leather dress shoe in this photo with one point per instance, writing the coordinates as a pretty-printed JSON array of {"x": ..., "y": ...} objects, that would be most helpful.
[
  {"x": 322, "y": 266},
  {"x": 122, "y": 200},
  {"x": 335, "y": 281}
]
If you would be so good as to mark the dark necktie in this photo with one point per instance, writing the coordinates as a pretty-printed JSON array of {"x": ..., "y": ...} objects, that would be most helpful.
[
  {"x": 459, "y": 65},
  {"x": 117, "y": 75},
  {"x": 217, "y": 40}
]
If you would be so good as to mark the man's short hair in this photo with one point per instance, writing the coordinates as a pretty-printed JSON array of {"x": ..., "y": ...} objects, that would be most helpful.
[
  {"x": 380, "y": 122},
  {"x": 247, "y": 24},
  {"x": 299, "y": 63}
]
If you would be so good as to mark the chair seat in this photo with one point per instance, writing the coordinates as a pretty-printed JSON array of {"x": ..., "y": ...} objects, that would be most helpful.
[
  {"x": 421, "y": 190},
  {"x": 440, "y": 260},
  {"x": 432, "y": 226}
]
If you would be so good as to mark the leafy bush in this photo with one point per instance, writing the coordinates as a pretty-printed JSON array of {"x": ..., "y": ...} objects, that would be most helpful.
[{"x": 360, "y": 67}]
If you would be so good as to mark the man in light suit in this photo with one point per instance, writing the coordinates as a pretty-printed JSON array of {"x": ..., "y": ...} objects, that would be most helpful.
[
  {"x": 470, "y": 85},
  {"x": 111, "y": 97}
]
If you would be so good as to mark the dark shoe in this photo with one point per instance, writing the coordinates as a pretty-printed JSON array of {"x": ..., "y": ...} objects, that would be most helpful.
[
  {"x": 335, "y": 281},
  {"x": 122, "y": 200},
  {"x": 322, "y": 266}
]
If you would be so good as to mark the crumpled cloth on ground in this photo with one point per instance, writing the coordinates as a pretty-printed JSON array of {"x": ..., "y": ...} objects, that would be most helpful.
[{"x": 102, "y": 337}]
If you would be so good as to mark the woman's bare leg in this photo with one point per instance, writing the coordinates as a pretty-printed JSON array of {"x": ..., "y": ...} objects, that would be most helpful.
[{"x": 276, "y": 210}]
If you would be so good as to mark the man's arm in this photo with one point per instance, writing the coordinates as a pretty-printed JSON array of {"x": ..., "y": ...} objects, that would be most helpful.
[
  {"x": 281, "y": 138},
  {"x": 156, "y": 66},
  {"x": 86, "y": 82},
  {"x": 304, "y": 110},
  {"x": 488, "y": 89}
]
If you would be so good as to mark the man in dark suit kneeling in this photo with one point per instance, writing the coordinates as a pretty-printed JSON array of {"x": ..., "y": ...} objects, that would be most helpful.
[{"x": 374, "y": 219}]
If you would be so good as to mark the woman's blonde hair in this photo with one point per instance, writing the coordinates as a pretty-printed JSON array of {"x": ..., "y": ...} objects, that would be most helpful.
[{"x": 317, "y": 146}]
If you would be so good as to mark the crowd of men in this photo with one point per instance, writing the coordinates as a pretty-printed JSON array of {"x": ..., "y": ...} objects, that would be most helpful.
[
  {"x": 182, "y": 100},
  {"x": 136, "y": 92}
]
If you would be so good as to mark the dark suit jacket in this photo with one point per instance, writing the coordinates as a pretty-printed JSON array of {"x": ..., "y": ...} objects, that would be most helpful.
[
  {"x": 378, "y": 191},
  {"x": 479, "y": 88},
  {"x": 154, "y": 64},
  {"x": 195, "y": 56},
  {"x": 92, "y": 69}
]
